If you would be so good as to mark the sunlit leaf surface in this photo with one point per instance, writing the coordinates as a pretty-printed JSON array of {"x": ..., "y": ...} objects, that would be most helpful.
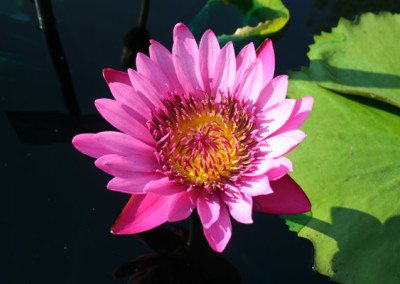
[
  {"x": 349, "y": 165},
  {"x": 360, "y": 58}
]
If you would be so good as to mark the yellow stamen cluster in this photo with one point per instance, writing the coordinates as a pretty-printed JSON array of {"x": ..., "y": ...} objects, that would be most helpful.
[{"x": 203, "y": 142}]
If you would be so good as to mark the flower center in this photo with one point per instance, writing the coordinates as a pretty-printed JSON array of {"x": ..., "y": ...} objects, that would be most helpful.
[{"x": 202, "y": 142}]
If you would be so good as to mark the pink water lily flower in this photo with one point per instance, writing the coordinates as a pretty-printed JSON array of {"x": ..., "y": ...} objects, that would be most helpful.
[{"x": 200, "y": 128}]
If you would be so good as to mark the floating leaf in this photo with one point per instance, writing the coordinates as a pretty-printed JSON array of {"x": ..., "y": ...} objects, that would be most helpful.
[
  {"x": 272, "y": 16},
  {"x": 252, "y": 20},
  {"x": 360, "y": 58},
  {"x": 349, "y": 166}
]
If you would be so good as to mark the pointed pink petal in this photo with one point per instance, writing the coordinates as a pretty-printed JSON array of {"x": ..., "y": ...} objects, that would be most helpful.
[
  {"x": 285, "y": 166},
  {"x": 208, "y": 54},
  {"x": 152, "y": 72},
  {"x": 299, "y": 114},
  {"x": 102, "y": 164},
  {"x": 274, "y": 118},
  {"x": 281, "y": 144},
  {"x": 184, "y": 35},
  {"x": 122, "y": 144},
  {"x": 181, "y": 205},
  {"x": 147, "y": 91},
  {"x": 117, "y": 116},
  {"x": 160, "y": 55},
  {"x": 208, "y": 207},
  {"x": 185, "y": 56},
  {"x": 111, "y": 142},
  {"x": 122, "y": 90},
  {"x": 219, "y": 233},
  {"x": 244, "y": 60},
  {"x": 164, "y": 186},
  {"x": 273, "y": 93},
  {"x": 225, "y": 70},
  {"x": 266, "y": 53},
  {"x": 240, "y": 206},
  {"x": 288, "y": 198},
  {"x": 134, "y": 184},
  {"x": 246, "y": 57},
  {"x": 134, "y": 163},
  {"x": 261, "y": 165},
  {"x": 255, "y": 186},
  {"x": 142, "y": 213},
  {"x": 250, "y": 86},
  {"x": 86, "y": 143}
]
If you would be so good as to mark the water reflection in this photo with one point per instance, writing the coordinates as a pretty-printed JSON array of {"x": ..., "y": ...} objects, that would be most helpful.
[{"x": 178, "y": 257}]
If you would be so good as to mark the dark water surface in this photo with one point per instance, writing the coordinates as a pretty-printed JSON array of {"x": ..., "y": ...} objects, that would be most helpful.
[{"x": 56, "y": 212}]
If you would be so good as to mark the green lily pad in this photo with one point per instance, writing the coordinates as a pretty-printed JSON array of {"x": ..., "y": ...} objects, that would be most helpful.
[
  {"x": 360, "y": 57},
  {"x": 252, "y": 20},
  {"x": 349, "y": 166}
]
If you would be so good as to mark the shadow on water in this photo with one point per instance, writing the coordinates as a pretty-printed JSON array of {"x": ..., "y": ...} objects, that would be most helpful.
[{"x": 365, "y": 249}]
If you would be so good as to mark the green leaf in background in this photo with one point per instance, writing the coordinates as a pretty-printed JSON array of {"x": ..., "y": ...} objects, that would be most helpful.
[
  {"x": 349, "y": 165},
  {"x": 360, "y": 58},
  {"x": 251, "y": 20}
]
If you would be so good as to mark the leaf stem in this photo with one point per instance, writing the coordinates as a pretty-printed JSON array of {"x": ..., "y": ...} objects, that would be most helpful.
[
  {"x": 194, "y": 225},
  {"x": 144, "y": 12},
  {"x": 47, "y": 24}
]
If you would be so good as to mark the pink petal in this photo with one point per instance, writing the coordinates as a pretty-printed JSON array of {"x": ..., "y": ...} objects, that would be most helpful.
[
  {"x": 219, "y": 233},
  {"x": 285, "y": 166},
  {"x": 225, "y": 70},
  {"x": 152, "y": 72},
  {"x": 134, "y": 163},
  {"x": 288, "y": 198},
  {"x": 244, "y": 60},
  {"x": 111, "y": 142},
  {"x": 160, "y": 55},
  {"x": 245, "y": 57},
  {"x": 182, "y": 34},
  {"x": 102, "y": 164},
  {"x": 281, "y": 144},
  {"x": 86, "y": 143},
  {"x": 250, "y": 86},
  {"x": 208, "y": 54},
  {"x": 299, "y": 114},
  {"x": 181, "y": 205},
  {"x": 240, "y": 206},
  {"x": 266, "y": 53},
  {"x": 185, "y": 56},
  {"x": 261, "y": 165},
  {"x": 122, "y": 144},
  {"x": 255, "y": 186},
  {"x": 164, "y": 186},
  {"x": 274, "y": 118},
  {"x": 273, "y": 93},
  {"x": 147, "y": 91},
  {"x": 142, "y": 212},
  {"x": 208, "y": 205},
  {"x": 117, "y": 116},
  {"x": 134, "y": 184},
  {"x": 122, "y": 90}
]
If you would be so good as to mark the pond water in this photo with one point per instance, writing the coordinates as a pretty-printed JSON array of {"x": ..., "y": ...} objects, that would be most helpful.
[{"x": 56, "y": 210}]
